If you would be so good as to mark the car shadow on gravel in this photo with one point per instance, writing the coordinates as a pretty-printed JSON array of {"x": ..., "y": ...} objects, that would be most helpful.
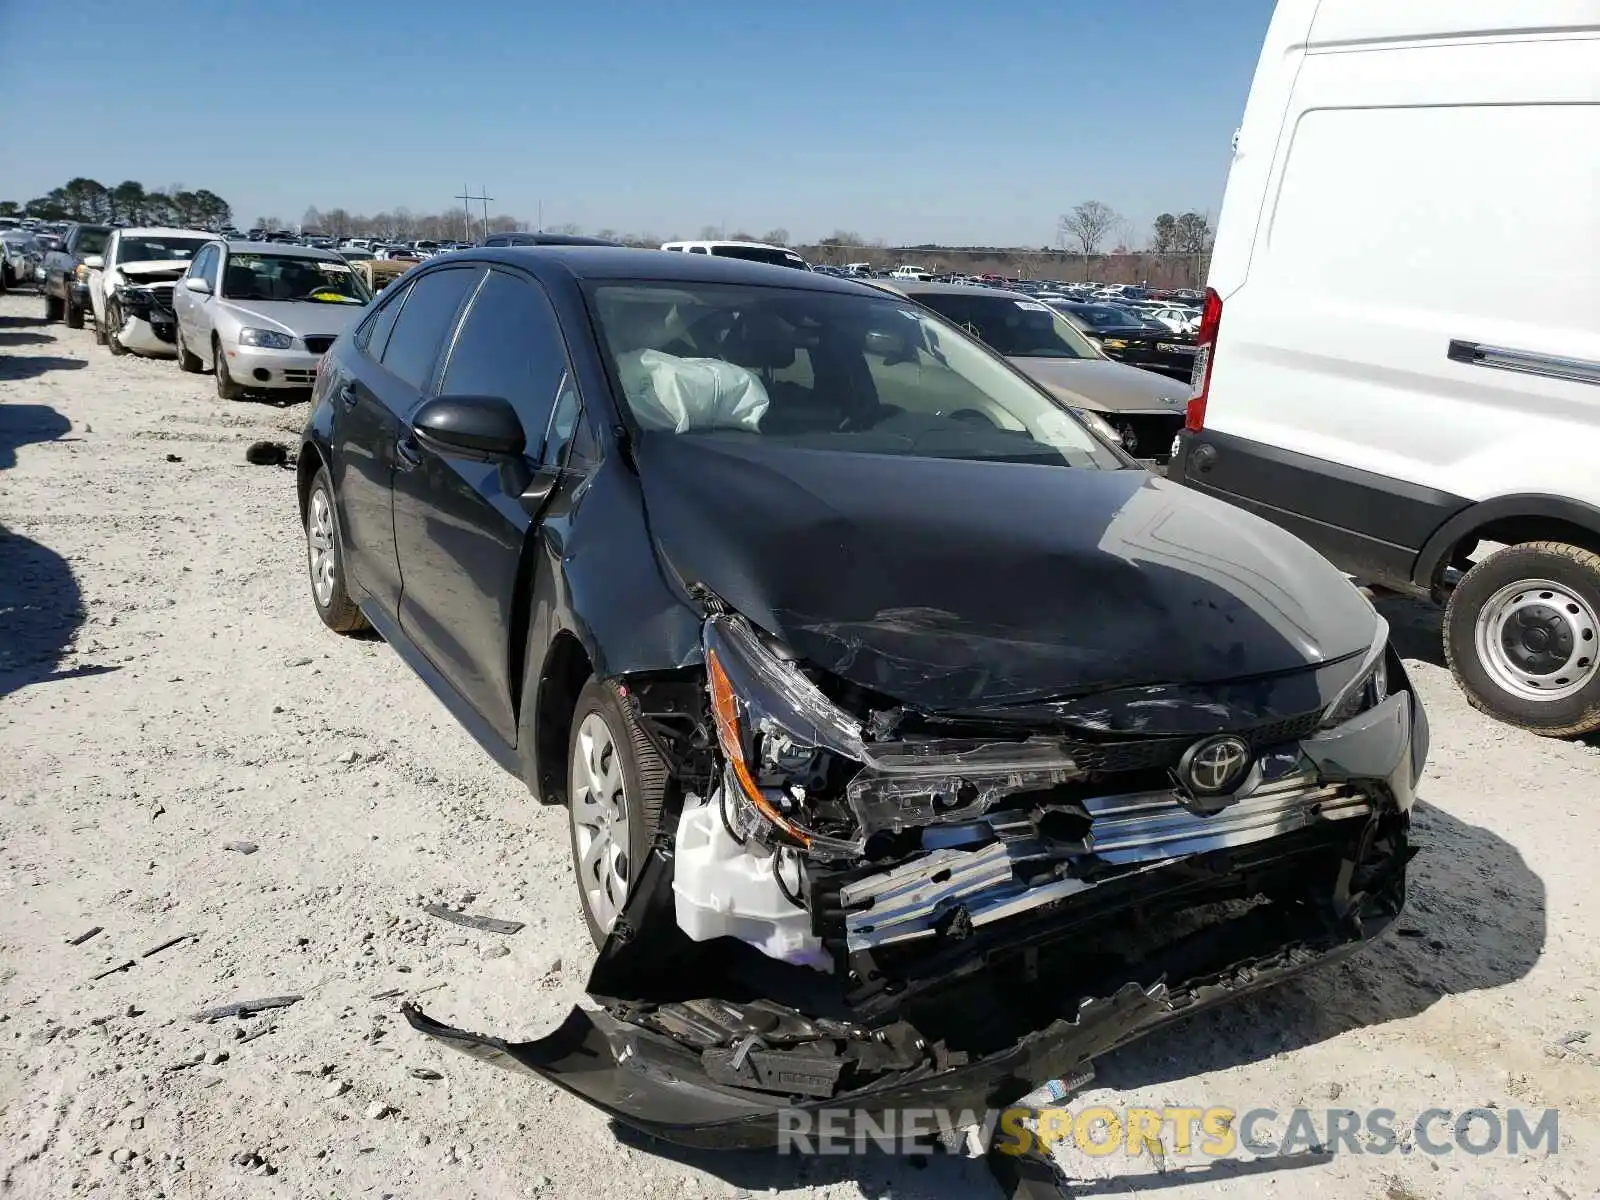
[
  {"x": 40, "y": 610},
  {"x": 1475, "y": 919},
  {"x": 23, "y": 338},
  {"x": 21, "y": 322},
  {"x": 40, "y": 606},
  {"x": 14, "y": 369}
]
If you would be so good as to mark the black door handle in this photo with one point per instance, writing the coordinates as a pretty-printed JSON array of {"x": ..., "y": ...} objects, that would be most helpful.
[{"x": 407, "y": 453}]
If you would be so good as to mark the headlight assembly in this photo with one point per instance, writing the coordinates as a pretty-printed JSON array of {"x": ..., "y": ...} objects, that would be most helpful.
[
  {"x": 1369, "y": 688},
  {"x": 782, "y": 740},
  {"x": 265, "y": 339}
]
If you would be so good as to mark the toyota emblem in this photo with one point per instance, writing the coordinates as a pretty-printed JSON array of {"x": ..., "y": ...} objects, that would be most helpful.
[{"x": 1214, "y": 765}]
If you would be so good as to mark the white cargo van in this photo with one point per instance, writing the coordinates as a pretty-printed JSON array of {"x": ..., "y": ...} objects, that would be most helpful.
[{"x": 1400, "y": 349}]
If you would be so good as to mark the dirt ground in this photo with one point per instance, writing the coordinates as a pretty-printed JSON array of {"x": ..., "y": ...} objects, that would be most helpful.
[{"x": 168, "y": 700}]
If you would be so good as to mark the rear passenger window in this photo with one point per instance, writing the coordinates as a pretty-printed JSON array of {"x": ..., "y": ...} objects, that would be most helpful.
[
  {"x": 510, "y": 346},
  {"x": 428, "y": 316},
  {"x": 374, "y": 336}
]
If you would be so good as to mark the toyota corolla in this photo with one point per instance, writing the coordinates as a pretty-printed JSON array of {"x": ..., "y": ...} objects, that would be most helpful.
[{"x": 916, "y": 744}]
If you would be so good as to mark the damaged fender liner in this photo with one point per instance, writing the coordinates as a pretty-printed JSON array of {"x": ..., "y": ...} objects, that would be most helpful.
[{"x": 659, "y": 1086}]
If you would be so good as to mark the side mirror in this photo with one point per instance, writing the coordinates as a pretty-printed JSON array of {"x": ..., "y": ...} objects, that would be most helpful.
[
  {"x": 477, "y": 428},
  {"x": 198, "y": 284},
  {"x": 94, "y": 262}
]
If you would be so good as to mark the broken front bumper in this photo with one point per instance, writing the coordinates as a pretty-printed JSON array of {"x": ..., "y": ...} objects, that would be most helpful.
[{"x": 1075, "y": 1000}]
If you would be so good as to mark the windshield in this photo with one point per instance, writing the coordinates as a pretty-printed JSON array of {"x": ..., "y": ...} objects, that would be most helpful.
[
  {"x": 1009, "y": 326},
  {"x": 826, "y": 371},
  {"x": 291, "y": 277},
  {"x": 1102, "y": 316},
  {"x": 93, "y": 241},
  {"x": 157, "y": 249},
  {"x": 760, "y": 254}
]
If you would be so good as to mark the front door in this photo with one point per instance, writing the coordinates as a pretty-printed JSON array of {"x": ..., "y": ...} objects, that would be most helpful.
[
  {"x": 395, "y": 361},
  {"x": 460, "y": 533}
]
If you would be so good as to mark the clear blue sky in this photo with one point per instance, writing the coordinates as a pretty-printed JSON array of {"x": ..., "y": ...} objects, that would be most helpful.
[{"x": 910, "y": 120}]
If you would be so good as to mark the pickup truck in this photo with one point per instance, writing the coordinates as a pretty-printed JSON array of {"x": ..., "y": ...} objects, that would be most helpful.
[{"x": 66, "y": 273}]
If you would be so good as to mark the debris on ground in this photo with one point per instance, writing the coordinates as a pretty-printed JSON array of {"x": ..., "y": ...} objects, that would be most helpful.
[
  {"x": 244, "y": 1008},
  {"x": 484, "y": 924}
]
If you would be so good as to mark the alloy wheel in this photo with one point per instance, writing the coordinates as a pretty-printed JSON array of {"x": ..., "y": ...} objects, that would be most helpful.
[
  {"x": 322, "y": 547},
  {"x": 599, "y": 813}
]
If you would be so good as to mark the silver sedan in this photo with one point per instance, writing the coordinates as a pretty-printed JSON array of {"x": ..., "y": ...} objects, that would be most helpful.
[{"x": 261, "y": 315}]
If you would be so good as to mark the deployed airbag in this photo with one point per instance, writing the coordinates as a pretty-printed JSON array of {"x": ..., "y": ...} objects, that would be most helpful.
[{"x": 683, "y": 394}]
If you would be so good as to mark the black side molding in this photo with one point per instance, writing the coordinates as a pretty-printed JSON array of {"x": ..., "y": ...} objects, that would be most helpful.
[{"x": 1524, "y": 362}]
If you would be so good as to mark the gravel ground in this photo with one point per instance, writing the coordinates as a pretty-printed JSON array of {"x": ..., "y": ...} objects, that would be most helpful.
[{"x": 169, "y": 701}]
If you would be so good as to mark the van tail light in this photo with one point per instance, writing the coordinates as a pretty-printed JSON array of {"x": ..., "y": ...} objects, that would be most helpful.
[{"x": 1204, "y": 356}]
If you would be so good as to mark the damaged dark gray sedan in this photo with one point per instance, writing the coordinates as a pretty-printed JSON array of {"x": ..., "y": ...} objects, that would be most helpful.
[{"x": 918, "y": 747}]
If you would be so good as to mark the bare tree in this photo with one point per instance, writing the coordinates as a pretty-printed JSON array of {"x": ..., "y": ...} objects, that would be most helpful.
[
  {"x": 776, "y": 237},
  {"x": 709, "y": 233},
  {"x": 1192, "y": 233},
  {"x": 569, "y": 228},
  {"x": 1087, "y": 226},
  {"x": 1164, "y": 235}
]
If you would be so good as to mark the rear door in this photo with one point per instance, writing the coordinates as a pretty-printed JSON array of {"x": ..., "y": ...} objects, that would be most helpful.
[
  {"x": 394, "y": 361},
  {"x": 462, "y": 528}
]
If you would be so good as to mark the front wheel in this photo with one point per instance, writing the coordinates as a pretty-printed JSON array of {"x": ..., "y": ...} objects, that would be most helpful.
[
  {"x": 114, "y": 323},
  {"x": 227, "y": 389},
  {"x": 1522, "y": 637},
  {"x": 615, "y": 786}
]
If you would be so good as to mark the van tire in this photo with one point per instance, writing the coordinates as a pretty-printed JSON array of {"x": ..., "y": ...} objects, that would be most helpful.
[
  {"x": 52, "y": 307},
  {"x": 72, "y": 314},
  {"x": 1563, "y": 599}
]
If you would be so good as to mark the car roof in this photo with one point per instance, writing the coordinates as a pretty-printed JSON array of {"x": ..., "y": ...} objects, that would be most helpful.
[
  {"x": 164, "y": 231},
  {"x": 281, "y": 249},
  {"x": 915, "y": 288},
  {"x": 552, "y": 239},
  {"x": 621, "y": 263}
]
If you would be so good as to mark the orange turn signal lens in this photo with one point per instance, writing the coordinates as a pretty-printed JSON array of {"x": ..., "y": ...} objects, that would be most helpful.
[{"x": 725, "y": 711}]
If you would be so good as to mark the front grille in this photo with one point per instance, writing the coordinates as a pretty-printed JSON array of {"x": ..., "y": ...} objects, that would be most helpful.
[
  {"x": 303, "y": 378},
  {"x": 1163, "y": 753},
  {"x": 318, "y": 345}
]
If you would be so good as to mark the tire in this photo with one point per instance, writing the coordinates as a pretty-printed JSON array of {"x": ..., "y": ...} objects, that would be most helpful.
[
  {"x": 325, "y": 559},
  {"x": 72, "y": 314},
  {"x": 113, "y": 323},
  {"x": 188, "y": 363},
  {"x": 620, "y": 776},
  {"x": 227, "y": 389},
  {"x": 53, "y": 307},
  {"x": 1522, "y": 637}
]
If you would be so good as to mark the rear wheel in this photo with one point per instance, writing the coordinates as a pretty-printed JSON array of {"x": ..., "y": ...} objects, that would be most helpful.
[
  {"x": 615, "y": 786},
  {"x": 325, "y": 560},
  {"x": 1522, "y": 636},
  {"x": 73, "y": 313},
  {"x": 227, "y": 389},
  {"x": 189, "y": 363}
]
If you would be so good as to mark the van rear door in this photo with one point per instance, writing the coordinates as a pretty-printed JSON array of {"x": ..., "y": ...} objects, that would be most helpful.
[{"x": 1415, "y": 189}]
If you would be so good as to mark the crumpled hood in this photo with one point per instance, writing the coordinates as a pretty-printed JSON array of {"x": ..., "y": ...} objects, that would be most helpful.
[
  {"x": 1104, "y": 386},
  {"x": 951, "y": 585},
  {"x": 153, "y": 270},
  {"x": 299, "y": 317}
]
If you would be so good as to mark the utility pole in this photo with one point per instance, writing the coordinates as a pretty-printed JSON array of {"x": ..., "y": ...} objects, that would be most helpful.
[{"x": 466, "y": 197}]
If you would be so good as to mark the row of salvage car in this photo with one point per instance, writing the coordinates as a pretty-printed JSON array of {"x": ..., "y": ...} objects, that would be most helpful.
[{"x": 258, "y": 315}]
